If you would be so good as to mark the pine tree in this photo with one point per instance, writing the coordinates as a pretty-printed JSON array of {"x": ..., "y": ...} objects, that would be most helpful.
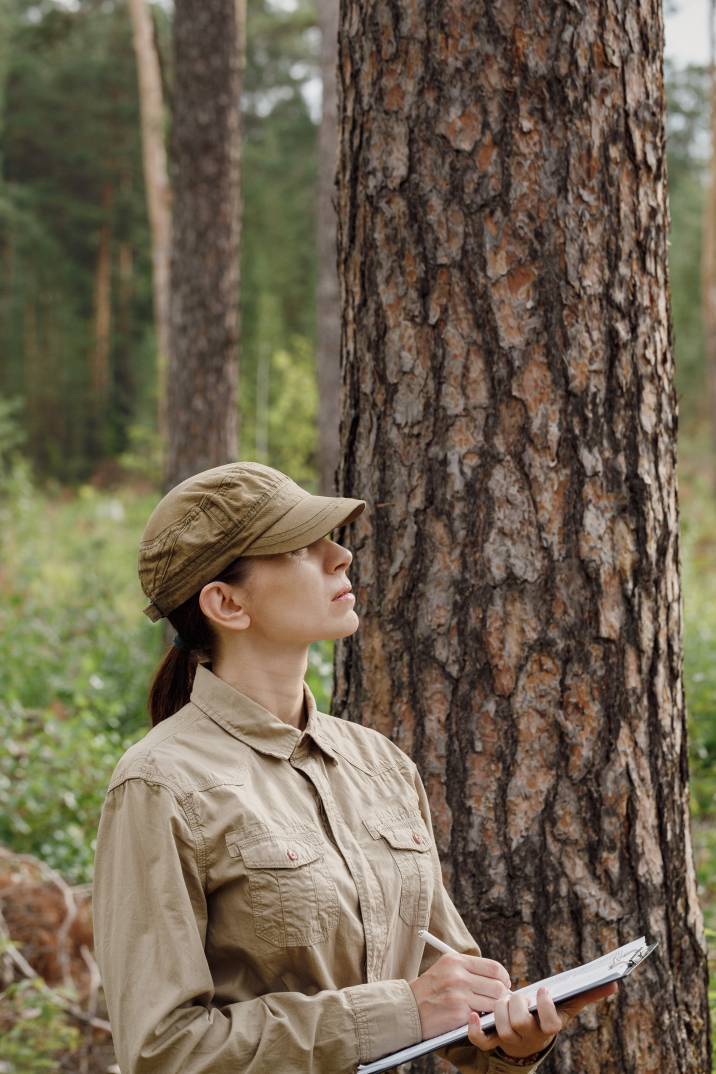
[{"x": 509, "y": 413}]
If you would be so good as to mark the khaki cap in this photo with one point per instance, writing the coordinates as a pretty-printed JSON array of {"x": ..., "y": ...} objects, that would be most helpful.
[{"x": 211, "y": 518}]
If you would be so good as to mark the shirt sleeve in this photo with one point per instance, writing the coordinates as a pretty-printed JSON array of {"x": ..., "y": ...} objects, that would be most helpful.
[
  {"x": 150, "y": 918},
  {"x": 446, "y": 923}
]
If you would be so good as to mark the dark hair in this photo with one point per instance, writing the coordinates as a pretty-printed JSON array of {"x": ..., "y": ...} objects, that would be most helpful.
[{"x": 174, "y": 678}]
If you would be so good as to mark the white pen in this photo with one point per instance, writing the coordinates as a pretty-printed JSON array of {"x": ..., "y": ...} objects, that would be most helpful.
[{"x": 436, "y": 943}]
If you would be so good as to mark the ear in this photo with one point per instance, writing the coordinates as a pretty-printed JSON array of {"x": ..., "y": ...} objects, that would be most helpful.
[{"x": 218, "y": 601}]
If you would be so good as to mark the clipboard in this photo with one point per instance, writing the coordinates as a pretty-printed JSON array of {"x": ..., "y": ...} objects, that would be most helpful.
[{"x": 613, "y": 966}]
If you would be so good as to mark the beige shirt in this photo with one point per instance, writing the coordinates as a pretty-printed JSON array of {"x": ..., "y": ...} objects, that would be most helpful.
[{"x": 258, "y": 891}]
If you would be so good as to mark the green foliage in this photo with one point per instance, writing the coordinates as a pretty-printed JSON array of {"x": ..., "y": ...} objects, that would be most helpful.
[
  {"x": 687, "y": 149},
  {"x": 319, "y": 674},
  {"x": 698, "y": 553},
  {"x": 141, "y": 460},
  {"x": 292, "y": 405},
  {"x": 12, "y": 435},
  {"x": 34, "y": 1029},
  {"x": 687, "y": 122},
  {"x": 76, "y": 659},
  {"x": 71, "y": 174},
  {"x": 75, "y": 662},
  {"x": 278, "y": 257},
  {"x": 698, "y": 546}
]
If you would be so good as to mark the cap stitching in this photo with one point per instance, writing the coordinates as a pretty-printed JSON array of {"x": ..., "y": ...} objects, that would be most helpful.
[
  {"x": 212, "y": 553},
  {"x": 260, "y": 503},
  {"x": 224, "y": 482},
  {"x": 177, "y": 523},
  {"x": 200, "y": 559},
  {"x": 171, "y": 545}
]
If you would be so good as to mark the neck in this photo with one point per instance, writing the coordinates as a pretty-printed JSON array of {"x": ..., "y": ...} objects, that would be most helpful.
[{"x": 272, "y": 679}]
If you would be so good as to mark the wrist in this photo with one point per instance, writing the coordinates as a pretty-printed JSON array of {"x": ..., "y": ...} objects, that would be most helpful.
[{"x": 518, "y": 1061}]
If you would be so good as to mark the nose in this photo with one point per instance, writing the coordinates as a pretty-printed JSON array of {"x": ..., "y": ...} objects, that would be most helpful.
[{"x": 343, "y": 557}]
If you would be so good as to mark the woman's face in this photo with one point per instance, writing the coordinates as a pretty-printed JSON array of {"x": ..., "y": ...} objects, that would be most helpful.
[{"x": 289, "y": 598}]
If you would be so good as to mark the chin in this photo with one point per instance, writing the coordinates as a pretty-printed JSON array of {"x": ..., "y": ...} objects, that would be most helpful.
[{"x": 346, "y": 631}]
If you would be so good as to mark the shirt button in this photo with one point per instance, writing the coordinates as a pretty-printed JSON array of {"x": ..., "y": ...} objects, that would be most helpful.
[
  {"x": 417, "y": 838},
  {"x": 292, "y": 854}
]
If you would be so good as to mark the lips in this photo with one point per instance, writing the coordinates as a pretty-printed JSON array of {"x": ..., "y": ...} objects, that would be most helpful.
[{"x": 342, "y": 592}]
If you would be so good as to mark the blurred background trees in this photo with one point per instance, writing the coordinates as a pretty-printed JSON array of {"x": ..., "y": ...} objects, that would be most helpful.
[{"x": 77, "y": 335}]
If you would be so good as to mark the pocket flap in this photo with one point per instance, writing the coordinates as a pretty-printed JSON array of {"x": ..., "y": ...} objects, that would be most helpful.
[
  {"x": 272, "y": 853},
  {"x": 410, "y": 835}
]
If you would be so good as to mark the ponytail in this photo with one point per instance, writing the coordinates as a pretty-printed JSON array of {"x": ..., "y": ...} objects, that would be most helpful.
[{"x": 173, "y": 680}]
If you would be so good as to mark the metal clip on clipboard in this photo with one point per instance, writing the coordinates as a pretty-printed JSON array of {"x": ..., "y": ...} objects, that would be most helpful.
[{"x": 634, "y": 959}]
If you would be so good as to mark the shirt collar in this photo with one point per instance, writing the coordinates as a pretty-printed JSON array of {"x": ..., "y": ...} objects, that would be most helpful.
[{"x": 250, "y": 722}]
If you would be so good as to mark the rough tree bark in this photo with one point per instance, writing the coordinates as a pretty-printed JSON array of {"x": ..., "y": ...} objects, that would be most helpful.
[
  {"x": 157, "y": 188},
  {"x": 509, "y": 413},
  {"x": 203, "y": 364},
  {"x": 328, "y": 325}
]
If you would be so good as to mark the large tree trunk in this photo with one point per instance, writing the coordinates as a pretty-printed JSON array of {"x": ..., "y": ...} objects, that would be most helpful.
[
  {"x": 510, "y": 415},
  {"x": 203, "y": 366},
  {"x": 158, "y": 191},
  {"x": 328, "y": 325}
]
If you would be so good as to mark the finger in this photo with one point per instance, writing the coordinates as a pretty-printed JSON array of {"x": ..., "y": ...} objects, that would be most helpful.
[
  {"x": 549, "y": 1018},
  {"x": 478, "y": 1002},
  {"x": 484, "y": 1041},
  {"x": 503, "y": 1025},
  {"x": 487, "y": 986},
  {"x": 522, "y": 1021},
  {"x": 487, "y": 967}
]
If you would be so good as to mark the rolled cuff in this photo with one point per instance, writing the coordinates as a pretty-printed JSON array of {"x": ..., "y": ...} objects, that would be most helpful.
[{"x": 387, "y": 1018}]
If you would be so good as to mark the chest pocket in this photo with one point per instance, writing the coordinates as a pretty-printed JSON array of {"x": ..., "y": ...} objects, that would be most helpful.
[
  {"x": 294, "y": 902},
  {"x": 406, "y": 837}
]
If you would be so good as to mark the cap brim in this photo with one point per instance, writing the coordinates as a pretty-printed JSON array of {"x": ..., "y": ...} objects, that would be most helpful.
[{"x": 309, "y": 519}]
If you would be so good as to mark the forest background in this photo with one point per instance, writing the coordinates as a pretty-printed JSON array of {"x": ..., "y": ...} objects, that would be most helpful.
[{"x": 76, "y": 484}]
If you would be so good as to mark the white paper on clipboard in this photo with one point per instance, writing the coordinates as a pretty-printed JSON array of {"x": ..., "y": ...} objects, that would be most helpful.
[{"x": 610, "y": 967}]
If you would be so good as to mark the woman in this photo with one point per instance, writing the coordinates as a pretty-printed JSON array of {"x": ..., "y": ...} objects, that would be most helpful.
[{"x": 262, "y": 869}]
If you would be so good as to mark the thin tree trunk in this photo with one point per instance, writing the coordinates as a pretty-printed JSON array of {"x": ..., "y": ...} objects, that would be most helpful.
[
  {"x": 328, "y": 330},
  {"x": 124, "y": 399},
  {"x": 33, "y": 382},
  {"x": 102, "y": 324},
  {"x": 158, "y": 191},
  {"x": 203, "y": 370},
  {"x": 708, "y": 257},
  {"x": 509, "y": 413}
]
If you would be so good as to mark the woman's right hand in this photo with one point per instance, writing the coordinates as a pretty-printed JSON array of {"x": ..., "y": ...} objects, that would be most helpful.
[{"x": 455, "y": 985}]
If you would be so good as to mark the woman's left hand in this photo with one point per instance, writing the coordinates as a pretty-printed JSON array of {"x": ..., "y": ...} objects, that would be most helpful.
[{"x": 520, "y": 1033}]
